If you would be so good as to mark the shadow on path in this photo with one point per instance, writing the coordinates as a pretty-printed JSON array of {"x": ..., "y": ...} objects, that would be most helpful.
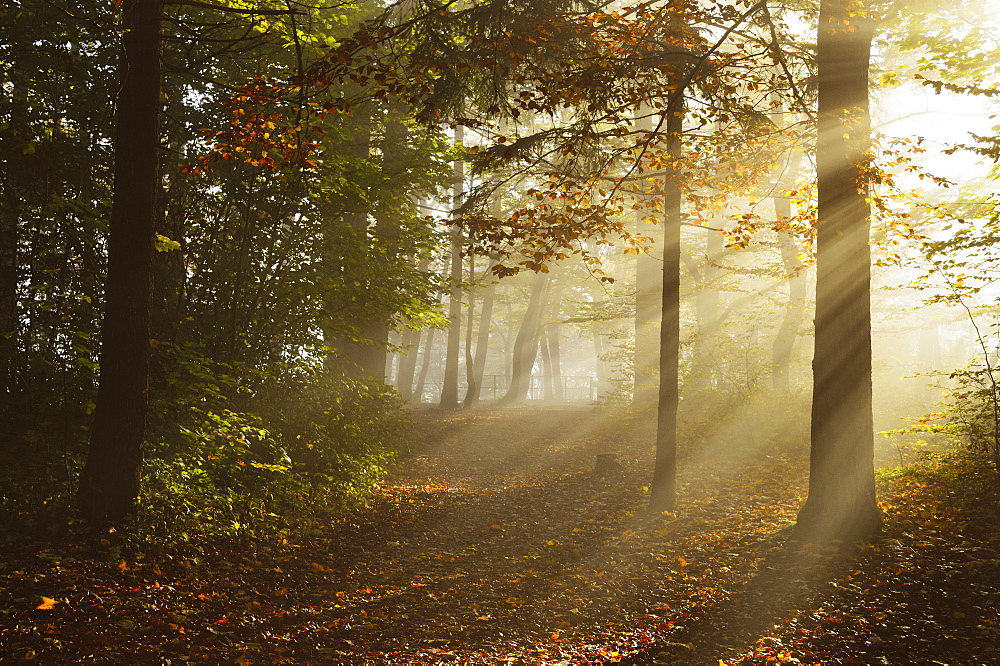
[{"x": 790, "y": 580}]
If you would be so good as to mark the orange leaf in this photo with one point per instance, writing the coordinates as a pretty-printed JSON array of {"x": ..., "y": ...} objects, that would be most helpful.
[{"x": 47, "y": 604}]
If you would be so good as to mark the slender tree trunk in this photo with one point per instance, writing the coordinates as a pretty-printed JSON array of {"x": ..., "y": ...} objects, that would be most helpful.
[
  {"x": 648, "y": 284},
  {"x": 411, "y": 344},
  {"x": 407, "y": 365},
  {"x": 449, "y": 389},
  {"x": 841, "y": 503},
  {"x": 13, "y": 139},
  {"x": 700, "y": 379},
  {"x": 472, "y": 396},
  {"x": 109, "y": 483},
  {"x": 548, "y": 394},
  {"x": 558, "y": 388},
  {"x": 791, "y": 324},
  {"x": 526, "y": 343},
  {"x": 663, "y": 489},
  {"x": 470, "y": 361},
  {"x": 418, "y": 391}
]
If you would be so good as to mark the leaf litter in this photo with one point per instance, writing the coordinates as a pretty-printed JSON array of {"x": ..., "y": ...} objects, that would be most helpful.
[{"x": 494, "y": 542}]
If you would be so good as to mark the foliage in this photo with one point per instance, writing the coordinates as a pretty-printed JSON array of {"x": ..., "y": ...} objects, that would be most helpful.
[
  {"x": 969, "y": 418},
  {"x": 225, "y": 460}
]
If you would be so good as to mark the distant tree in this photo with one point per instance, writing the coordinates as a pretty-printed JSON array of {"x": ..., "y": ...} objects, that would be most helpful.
[
  {"x": 841, "y": 502},
  {"x": 526, "y": 343}
]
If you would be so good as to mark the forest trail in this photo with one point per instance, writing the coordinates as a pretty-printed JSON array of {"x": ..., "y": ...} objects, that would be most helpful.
[{"x": 494, "y": 542}]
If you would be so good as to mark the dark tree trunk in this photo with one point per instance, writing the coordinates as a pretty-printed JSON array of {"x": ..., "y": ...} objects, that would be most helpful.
[
  {"x": 109, "y": 483},
  {"x": 13, "y": 139},
  {"x": 841, "y": 503},
  {"x": 365, "y": 356},
  {"x": 449, "y": 388},
  {"x": 663, "y": 489}
]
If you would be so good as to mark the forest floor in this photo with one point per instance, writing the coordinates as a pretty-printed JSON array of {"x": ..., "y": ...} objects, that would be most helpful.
[{"x": 495, "y": 542}]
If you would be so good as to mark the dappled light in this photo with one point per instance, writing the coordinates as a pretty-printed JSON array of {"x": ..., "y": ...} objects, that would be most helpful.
[{"x": 499, "y": 332}]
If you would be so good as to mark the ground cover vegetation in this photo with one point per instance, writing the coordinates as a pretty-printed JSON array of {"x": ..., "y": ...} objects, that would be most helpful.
[{"x": 244, "y": 247}]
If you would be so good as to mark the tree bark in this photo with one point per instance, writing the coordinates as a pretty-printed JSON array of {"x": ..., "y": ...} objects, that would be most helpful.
[
  {"x": 13, "y": 139},
  {"x": 663, "y": 488},
  {"x": 418, "y": 390},
  {"x": 841, "y": 502},
  {"x": 700, "y": 379},
  {"x": 474, "y": 392},
  {"x": 791, "y": 323},
  {"x": 407, "y": 365},
  {"x": 526, "y": 343},
  {"x": 365, "y": 355},
  {"x": 449, "y": 388},
  {"x": 555, "y": 359},
  {"x": 109, "y": 483},
  {"x": 647, "y": 303}
]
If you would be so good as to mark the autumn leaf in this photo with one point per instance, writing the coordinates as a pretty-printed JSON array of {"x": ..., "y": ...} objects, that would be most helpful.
[{"x": 47, "y": 604}]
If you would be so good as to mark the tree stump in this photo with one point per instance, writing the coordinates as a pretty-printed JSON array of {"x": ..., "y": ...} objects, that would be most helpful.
[{"x": 608, "y": 464}]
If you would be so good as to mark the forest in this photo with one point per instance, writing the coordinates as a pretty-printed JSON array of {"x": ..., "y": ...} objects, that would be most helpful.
[{"x": 499, "y": 332}]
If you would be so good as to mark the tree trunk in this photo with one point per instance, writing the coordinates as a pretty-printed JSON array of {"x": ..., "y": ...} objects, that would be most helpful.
[
  {"x": 411, "y": 345},
  {"x": 365, "y": 356},
  {"x": 14, "y": 137},
  {"x": 791, "y": 324},
  {"x": 663, "y": 489},
  {"x": 109, "y": 483},
  {"x": 526, "y": 343},
  {"x": 841, "y": 503},
  {"x": 548, "y": 394},
  {"x": 482, "y": 348},
  {"x": 700, "y": 379},
  {"x": 558, "y": 388},
  {"x": 407, "y": 365},
  {"x": 418, "y": 391},
  {"x": 647, "y": 303},
  {"x": 449, "y": 389}
]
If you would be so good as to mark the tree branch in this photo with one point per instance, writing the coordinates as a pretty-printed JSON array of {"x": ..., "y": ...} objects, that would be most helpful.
[{"x": 233, "y": 10}]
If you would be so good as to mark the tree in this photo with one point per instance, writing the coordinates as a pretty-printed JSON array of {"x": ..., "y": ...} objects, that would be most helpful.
[
  {"x": 525, "y": 349},
  {"x": 841, "y": 502},
  {"x": 663, "y": 489},
  {"x": 449, "y": 388},
  {"x": 109, "y": 483}
]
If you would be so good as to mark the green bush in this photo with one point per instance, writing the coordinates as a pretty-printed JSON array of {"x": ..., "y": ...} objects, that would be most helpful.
[
  {"x": 302, "y": 444},
  {"x": 340, "y": 433}
]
